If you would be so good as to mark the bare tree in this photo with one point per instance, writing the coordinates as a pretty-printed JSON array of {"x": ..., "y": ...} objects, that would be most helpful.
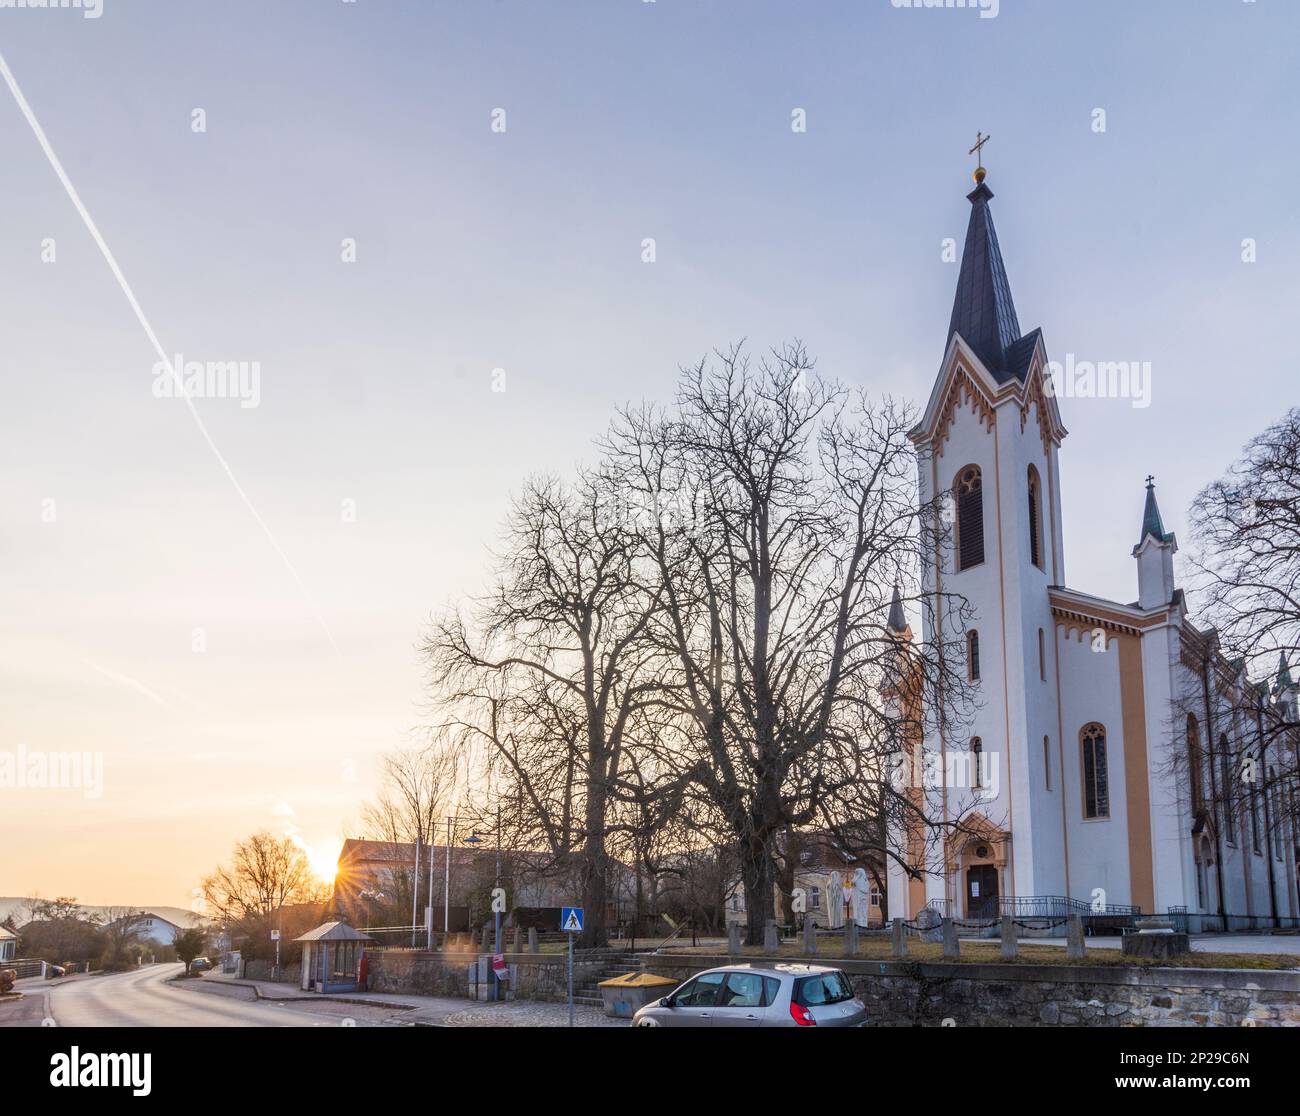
[
  {"x": 793, "y": 511},
  {"x": 1233, "y": 732},
  {"x": 548, "y": 682},
  {"x": 1246, "y": 530},
  {"x": 415, "y": 795},
  {"x": 121, "y": 930},
  {"x": 265, "y": 874}
]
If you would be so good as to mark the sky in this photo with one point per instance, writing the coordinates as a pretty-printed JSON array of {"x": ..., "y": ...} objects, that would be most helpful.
[{"x": 397, "y": 209}]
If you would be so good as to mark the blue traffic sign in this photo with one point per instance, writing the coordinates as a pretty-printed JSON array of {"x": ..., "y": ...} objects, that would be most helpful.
[{"x": 571, "y": 920}]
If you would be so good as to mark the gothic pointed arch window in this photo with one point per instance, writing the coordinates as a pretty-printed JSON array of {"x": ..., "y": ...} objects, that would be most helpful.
[
  {"x": 1227, "y": 791},
  {"x": 1194, "y": 762},
  {"x": 1256, "y": 829},
  {"x": 968, "y": 491},
  {"x": 1096, "y": 772},
  {"x": 1035, "y": 489}
]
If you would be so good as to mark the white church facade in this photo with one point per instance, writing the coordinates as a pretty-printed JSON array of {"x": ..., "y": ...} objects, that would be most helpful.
[{"x": 1103, "y": 729}]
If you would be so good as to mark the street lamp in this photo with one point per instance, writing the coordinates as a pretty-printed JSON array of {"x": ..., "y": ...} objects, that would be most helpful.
[{"x": 446, "y": 886}]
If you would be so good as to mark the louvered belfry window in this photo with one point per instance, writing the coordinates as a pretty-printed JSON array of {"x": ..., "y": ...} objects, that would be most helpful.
[{"x": 970, "y": 518}]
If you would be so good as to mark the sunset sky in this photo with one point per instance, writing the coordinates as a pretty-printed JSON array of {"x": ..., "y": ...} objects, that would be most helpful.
[{"x": 146, "y": 616}]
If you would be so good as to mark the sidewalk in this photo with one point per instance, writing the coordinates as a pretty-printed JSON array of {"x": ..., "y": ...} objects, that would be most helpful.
[{"x": 432, "y": 1011}]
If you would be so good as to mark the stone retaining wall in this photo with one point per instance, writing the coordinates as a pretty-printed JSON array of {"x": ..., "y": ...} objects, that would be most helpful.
[
  {"x": 904, "y": 994},
  {"x": 534, "y": 976},
  {"x": 290, "y": 973}
]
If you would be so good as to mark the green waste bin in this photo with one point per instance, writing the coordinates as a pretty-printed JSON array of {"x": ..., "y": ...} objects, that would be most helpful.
[{"x": 623, "y": 995}]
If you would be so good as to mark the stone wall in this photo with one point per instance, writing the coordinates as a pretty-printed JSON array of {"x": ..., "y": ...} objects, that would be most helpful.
[
  {"x": 905, "y": 994},
  {"x": 533, "y": 976},
  {"x": 290, "y": 973}
]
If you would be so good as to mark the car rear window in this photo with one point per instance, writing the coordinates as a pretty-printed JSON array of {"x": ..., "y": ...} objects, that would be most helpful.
[{"x": 824, "y": 988}]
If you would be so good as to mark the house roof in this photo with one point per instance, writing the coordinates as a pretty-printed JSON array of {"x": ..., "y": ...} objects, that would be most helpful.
[
  {"x": 8, "y": 935},
  {"x": 334, "y": 932}
]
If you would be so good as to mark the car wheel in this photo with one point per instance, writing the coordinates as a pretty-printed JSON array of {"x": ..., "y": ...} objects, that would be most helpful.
[{"x": 647, "y": 1023}]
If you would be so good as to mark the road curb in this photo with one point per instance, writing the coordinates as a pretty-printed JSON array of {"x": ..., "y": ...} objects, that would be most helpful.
[{"x": 313, "y": 998}]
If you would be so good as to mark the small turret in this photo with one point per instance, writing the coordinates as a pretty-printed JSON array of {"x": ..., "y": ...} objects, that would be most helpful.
[{"x": 1155, "y": 555}]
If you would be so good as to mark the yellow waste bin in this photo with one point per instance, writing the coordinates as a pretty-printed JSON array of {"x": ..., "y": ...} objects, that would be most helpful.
[{"x": 623, "y": 995}]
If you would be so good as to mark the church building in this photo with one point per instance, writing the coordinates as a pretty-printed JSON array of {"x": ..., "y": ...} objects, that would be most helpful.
[{"x": 1108, "y": 738}]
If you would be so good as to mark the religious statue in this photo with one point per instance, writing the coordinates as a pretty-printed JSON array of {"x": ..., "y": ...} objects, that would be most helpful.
[
  {"x": 861, "y": 897},
  {"x": 835, "y": 901}
]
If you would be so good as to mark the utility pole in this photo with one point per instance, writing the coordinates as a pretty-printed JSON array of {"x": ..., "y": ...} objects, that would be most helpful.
[
  {"x": 415, "y": 886},
  {"x": 496, "y": 906},
  {"x": 428, "y": 913},
  {"x": 446, "y": 888}
]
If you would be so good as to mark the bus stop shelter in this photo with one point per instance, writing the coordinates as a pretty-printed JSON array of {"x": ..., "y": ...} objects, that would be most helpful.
[{"x": 331, "y": 958}]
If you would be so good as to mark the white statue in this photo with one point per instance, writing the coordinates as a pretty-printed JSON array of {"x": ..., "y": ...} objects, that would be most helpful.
[
  {"x": 861, "y": 897},
  {"x": 835, "y": 901}
]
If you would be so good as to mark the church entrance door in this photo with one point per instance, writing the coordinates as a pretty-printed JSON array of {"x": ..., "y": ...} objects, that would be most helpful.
[{"x": 982, "y": 891}]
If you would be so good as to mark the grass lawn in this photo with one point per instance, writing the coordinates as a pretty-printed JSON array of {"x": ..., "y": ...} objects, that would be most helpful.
[{"x": 879, "y": 949}]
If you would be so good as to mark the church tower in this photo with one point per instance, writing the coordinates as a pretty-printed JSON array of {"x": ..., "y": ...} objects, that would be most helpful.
[{"x": 987, "y": 448}]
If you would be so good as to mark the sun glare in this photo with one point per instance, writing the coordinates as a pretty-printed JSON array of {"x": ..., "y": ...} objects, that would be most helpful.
[{"x": 324, "y": 859}]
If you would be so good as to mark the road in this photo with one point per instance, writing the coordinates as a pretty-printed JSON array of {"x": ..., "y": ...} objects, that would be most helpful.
[{"x": 144, "y": 998}]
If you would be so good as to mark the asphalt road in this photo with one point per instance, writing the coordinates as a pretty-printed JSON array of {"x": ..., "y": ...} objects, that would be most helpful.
[{"x": 144, "y": 998}]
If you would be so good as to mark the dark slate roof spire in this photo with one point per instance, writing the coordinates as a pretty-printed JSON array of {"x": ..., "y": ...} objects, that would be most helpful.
[
  {"x": 983, "y": 312},
  {"x": 897, "y": 619},
  {"x": 1151, "y": 522},
  {"x": 1284, "y": 682}
]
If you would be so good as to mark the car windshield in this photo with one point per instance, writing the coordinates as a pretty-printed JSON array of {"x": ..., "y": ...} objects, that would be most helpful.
[{"x": 825, "y": 988}]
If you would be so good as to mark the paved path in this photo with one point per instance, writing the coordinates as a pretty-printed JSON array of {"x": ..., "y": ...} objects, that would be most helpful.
[
  {"x": 422, "y": 1011},
  {"x": 146, "y": 997},
  {"x": 149, "y": 997}
]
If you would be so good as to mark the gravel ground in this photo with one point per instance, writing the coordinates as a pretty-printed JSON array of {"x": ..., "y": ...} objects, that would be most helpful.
[{"x": 527, "y": 1014}]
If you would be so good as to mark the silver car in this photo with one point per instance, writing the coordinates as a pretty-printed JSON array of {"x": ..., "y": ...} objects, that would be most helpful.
[{"x": 775, "y": 995}]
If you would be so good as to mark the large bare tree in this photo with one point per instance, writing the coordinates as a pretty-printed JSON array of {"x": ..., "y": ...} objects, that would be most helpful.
[
  {"x": 1246, "y": 530},
  {"x": 1235, "y": 742},
  {"x": 546, "y": 680},
  {"x": 786, "y": 512},
  {"x": 265, "y": 874}
]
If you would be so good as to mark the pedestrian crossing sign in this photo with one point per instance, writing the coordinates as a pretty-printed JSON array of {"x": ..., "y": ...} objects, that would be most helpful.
[{"x": 571, "y": 920}]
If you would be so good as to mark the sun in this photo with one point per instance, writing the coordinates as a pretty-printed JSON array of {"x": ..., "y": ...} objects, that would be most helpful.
[{"x": 324, "y": 859}]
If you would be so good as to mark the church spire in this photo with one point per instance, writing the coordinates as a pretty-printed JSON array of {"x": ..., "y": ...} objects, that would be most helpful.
[
  {"x": 1284, "y": 682},
  {"x": 982, "y": 311},
  {"x": 897, "y": 620},
  {"x": 1151, "y": 522}
]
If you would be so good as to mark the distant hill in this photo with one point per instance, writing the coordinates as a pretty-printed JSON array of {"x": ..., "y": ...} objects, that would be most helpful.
[{"x": 12, "y": 904}]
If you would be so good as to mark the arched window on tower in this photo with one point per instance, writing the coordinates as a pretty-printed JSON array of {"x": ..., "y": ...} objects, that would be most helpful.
[
  {"x": 973, "y": 656},
  {"x": 969, "y": 494},
  {"x": 976, "y": 752},
  {"x": 1194, "y": 763},
  {"x": 1035, "y": 519},
  {"x": 1096, "y": 774}
]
